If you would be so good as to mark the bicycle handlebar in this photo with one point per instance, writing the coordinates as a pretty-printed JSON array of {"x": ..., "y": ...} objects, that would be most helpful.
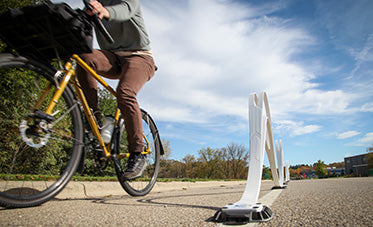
[{"x": 98, "y": 23}]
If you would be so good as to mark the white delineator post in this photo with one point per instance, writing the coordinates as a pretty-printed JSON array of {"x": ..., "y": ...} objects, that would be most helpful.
[
  {"x": 258, "y": 130},
  {"x": 269, "y": 144},
  {"x": 287, "y": 172},
  {"x": 280, "y": 163},
  {"x": 247, "y": 209}
]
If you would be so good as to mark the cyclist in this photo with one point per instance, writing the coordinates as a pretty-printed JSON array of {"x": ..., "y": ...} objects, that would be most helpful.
[{"x": 128, "y": 59}]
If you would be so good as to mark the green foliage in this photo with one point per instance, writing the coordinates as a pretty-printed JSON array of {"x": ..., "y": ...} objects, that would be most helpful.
[
  {"x": 107, "y": 106},
  {"x": 6, "y": 4},
  {"x": 370, "y": 160},
  {"x": 107, "y": 102},
  {"x": 267, "y": 173},
  {"x": 16, "y": 96},
  {"x": 320, "y": 169},
  {"x": 235, "y": 158},
  {"x": 211, "y": 163},
  {"x": 27, "y": 177},
  {"x": 94, "y": 178}
]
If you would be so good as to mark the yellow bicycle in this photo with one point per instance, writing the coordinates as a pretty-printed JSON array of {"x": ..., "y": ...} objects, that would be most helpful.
[{"x": 46, "y": 126}]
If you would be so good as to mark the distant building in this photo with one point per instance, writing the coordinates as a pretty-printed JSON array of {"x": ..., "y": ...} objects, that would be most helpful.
[
  {"x": 335, "y": 172},
  {"x": 332, "y": 172},
  {"x": 357, "y": 165}
]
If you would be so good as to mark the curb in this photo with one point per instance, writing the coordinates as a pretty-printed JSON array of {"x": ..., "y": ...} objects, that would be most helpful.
[{"x": 83, "y": 190}]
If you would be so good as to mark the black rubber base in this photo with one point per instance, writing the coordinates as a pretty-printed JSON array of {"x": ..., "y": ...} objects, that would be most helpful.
[
  {"x": 242, "y": 216},
  {"x": 279, "y": 187}
]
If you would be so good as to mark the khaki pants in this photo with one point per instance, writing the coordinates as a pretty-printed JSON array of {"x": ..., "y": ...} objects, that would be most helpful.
[{"x": 133, "y": 72}]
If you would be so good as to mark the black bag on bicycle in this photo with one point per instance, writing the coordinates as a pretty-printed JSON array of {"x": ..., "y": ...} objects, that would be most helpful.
[{"x": 47, "y": 31}]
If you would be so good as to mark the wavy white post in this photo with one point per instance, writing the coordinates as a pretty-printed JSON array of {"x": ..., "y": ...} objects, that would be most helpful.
[
  {"x": 261, "y": 139},
  {"x": 258, "y": 121},
  {"x": 270, "y": 148},
  {"x": 280, "y": 162},
  {"x": 287, "y": 173}
]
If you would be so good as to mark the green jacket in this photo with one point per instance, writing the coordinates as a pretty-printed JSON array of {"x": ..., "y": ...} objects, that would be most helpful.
[{"x": 125, "y": 25}]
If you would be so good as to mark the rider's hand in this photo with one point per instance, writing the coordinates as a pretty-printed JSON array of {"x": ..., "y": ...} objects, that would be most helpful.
[{"x": 98, "y": 9}]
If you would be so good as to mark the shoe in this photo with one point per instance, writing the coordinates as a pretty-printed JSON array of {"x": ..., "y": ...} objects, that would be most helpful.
[{"x": 136, "y": 165}]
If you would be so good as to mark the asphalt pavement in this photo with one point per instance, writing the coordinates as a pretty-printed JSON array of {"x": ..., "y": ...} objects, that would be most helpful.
[{"x": 326, "y": 202}]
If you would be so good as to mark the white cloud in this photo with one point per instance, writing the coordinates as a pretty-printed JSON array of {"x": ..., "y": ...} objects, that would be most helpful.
[
  {"x": 367, "y": 140},
  {"x": 209, "y": 63},
  {"x": 363, "y": 55},
  {"x": 348, "y": 134},
  {"x": 295, "y": 128},
  {"x": 368, "y": 107},
  {"x": 312, "y": 101}
]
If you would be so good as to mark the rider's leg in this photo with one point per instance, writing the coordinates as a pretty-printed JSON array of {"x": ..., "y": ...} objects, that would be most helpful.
[
  {"x": 104, "y": 63},
  {"x": 136, "y": 71}
]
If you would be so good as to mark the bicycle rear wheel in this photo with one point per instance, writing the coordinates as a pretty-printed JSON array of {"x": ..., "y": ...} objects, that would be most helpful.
[
  {"x": 36, "y": 162},
  {"x": 143, "y": 185}
]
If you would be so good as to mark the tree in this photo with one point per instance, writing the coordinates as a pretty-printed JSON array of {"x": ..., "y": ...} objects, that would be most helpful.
[
  {"x": 166, "y": 149},
  {"x": 320, "y": 169},
  {"x": 191, "y": 166},
  {"x": 211, "y": 163},
  {"x": 15, "y": 84},
  {"x": 107, "y": 102},
  {"x": 171, "y": 169},
  {"x": 370, "y": 160},
  {"x": 235, "y": 160},
  {"x": 304, "y": 169},
  {"x": 292, "y": 173},
  {"x": 6, "y": 4},
  {"x": 267, "y": 173},
  {"x": 337, "y": 164},
  {"x": 165, "y": 162}
]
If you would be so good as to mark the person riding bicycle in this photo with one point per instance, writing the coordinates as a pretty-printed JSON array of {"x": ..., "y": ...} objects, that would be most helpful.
[{"x": 128, "y": 59}]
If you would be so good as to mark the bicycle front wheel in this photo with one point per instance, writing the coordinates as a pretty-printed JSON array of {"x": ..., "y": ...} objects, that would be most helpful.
[
  {"x": 143, "y": 185},
  {"x": 37, "y": 158}
]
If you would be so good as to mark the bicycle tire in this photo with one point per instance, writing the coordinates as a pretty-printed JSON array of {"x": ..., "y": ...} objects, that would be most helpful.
[
  {"x": 143, "y": 185},
  {"x": 30, "y": 176}
]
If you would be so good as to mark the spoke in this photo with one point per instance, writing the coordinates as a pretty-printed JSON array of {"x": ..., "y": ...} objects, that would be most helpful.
[
  {"x": 64, "y": 115},
  {"x": 64, "y": 136}
]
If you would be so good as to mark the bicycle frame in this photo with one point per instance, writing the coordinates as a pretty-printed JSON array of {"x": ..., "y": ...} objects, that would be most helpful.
[{"x": 70, "y": 77}]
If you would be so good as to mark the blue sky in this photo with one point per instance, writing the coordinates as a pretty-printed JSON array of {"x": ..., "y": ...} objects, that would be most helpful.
[{"x": 313, "y": 58}]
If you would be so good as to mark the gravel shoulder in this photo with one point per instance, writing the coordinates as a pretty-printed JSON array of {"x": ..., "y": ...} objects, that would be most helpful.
[{"x": 325, "y": 202}]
